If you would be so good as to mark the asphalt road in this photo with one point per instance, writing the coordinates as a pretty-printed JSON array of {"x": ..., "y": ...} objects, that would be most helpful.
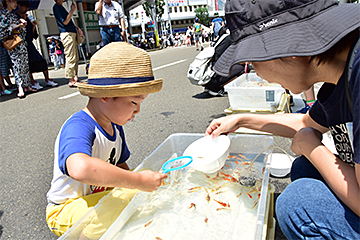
[{"x": 29, "y": 127}]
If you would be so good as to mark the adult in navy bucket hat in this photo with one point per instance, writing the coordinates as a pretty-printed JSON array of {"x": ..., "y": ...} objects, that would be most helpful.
[{"x": 298, "y": 44}]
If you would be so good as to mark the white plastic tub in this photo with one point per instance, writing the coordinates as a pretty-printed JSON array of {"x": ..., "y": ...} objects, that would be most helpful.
[
  {"x": 248, "y": 145},
  {"x": 249, "y": 92}
]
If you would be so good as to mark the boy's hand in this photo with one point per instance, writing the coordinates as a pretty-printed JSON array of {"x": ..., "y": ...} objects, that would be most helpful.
[{"x": 150, "y": 180}]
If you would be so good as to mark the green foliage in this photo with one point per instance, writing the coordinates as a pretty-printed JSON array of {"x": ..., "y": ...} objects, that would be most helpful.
[
  {"x": 159, "y": 9},
  {"x": 203, "y": 14}
]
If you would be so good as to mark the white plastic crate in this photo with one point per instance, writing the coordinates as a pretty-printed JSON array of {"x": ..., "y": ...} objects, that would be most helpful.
[{"x": 249, "y": 92}]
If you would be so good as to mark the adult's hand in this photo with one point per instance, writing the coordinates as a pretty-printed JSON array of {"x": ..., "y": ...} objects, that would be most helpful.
[
  {"x": 73, "y": 7},
  {"x": 305, "y": 140},
  {"x": 80, "y": 32},
  {"x": 224, "y": 125}
]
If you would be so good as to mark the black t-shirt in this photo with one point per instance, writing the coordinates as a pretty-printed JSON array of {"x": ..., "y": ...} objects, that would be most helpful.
[{"x": 332, "y": 111}]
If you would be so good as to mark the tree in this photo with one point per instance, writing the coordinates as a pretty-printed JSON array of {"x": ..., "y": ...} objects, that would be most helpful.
[
  {"x": 159, "y": 9},
  {"x": 203, "y": 14}
]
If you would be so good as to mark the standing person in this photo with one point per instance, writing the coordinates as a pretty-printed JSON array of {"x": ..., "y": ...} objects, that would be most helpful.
[
  {"x": 59, "y": 50},
  {"x": 10, "y": 24},
  {"x": 309, "y": 100},
  {"x": 198, "y": 34},
  {"x": 5, "y": 65},
  {"x": 323, "y": 200},
  {"x": 91, "y": 150},
  {"x": 216, "y": 25},
  {"x": 111, "y": 21},
  {"x": 52, "y": 52},
  {"x": 36, "y": 62},
  {"x": 68, "y": 31},
  {"x": 188, "y": 37}
]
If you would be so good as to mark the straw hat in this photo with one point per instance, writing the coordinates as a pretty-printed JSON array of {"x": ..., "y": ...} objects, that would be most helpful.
[{"x": 119, "y": 70}]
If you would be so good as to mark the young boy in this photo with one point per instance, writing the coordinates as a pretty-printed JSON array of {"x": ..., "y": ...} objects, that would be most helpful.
[
  {"x": 90, "y": 150},
  {"x": 297, "y": 44}
]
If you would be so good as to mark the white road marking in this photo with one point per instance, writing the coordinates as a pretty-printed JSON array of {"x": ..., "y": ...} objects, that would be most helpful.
[
  {"x": 154, "y": 69},
  {"x": 170, "y": 64},
  {"x": 69, "y": 95}
]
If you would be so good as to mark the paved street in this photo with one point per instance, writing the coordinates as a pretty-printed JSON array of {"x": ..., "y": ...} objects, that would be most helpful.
[{"x": 29, "y": 127}]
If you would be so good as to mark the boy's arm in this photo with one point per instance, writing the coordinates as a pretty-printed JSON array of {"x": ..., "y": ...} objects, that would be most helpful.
[
  {"x": 341, "y": 177},
  {"x": 94, "y": 171},
  {"x": 285, "y": 125}
]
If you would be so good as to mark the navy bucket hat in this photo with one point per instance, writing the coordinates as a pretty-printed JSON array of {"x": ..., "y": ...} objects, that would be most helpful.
[{"x": 262, "y": 30}]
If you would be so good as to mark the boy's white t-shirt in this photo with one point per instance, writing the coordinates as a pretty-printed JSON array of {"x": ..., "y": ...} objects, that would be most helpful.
[{"x": 81, "y": 134}]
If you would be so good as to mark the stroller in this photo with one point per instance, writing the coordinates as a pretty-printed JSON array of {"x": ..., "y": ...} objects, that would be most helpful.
[{"x": 200, "y": 70}]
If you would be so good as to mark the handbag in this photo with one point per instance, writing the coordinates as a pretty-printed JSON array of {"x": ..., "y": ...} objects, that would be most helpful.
[
  {"x": 58, "y": 52},
  {"x": 79, "y": 39},
  {"x": 12, "y": 42}
]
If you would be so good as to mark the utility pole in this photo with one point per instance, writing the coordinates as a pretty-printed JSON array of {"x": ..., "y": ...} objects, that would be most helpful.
[
  {"x": 169, "y": 19},
  {"x": 153, "y": 14}
]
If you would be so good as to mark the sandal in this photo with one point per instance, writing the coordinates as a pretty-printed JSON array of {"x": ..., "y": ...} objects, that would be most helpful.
[{"x": 73, "y": 84}]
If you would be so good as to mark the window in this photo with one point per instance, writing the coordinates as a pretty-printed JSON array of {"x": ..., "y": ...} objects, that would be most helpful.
[
  {"x": 175, "y": 8},
  {"x": 180, "y": 9},
  {"x": 185, "y": 9},
  {"x": 170, "y": 9},
  {"x": 190, "y": 8},
  {"x": 137, "y": 15}
]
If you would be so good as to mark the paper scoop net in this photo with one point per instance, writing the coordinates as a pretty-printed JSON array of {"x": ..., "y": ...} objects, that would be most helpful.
[{"x": 176, "y": 164}]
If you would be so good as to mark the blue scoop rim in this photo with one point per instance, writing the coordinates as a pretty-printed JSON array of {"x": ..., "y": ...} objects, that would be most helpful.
[{"x": 166, "y": 170}]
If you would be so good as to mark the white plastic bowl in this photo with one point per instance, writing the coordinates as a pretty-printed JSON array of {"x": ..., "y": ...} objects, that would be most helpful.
[
  {"x": 209, "y": 155},
  {"x": 280, "y": 164}
]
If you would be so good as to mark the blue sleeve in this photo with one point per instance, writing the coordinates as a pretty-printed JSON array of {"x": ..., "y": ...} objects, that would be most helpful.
[
  {"x": 75, "y": 137},
  {"x": 125, "y": 153}
]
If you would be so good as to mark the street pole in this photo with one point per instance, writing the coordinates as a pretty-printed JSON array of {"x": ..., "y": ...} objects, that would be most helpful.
[
  {"x": 153, "y": 15},
  {"x": 169, "y": 19},
  {"x": 81, "y": 10}
]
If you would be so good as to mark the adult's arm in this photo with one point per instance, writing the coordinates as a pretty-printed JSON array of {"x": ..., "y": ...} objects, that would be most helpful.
[
  {"x": 342, "y": 178},
  {"x": 285, "y": 125},
  {"x": 69, "y": 16},
  {"x": 123, "y": 33},
  {"x": 99, "y": 7}
]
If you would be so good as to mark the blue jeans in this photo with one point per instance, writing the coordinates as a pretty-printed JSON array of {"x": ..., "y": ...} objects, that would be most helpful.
[
  {"x": 109, "y": 35},
  {"x": 308, "y": 209}
]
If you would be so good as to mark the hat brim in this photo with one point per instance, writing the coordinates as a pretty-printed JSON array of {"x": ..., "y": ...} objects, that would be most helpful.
[
  {"x": 123, "y": 90},
  {"x": 294, "y": 39}
]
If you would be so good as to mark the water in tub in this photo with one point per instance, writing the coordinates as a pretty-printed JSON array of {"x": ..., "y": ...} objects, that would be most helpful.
[{"x": 194, "y": 205}]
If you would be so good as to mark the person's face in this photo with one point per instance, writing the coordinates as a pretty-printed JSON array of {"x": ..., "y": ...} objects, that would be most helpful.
[
  {"x": 290, "y": 73},
  {"x": 59, "y": 1},
  {"x": 11, "y": 4},
  {"x": 23, "y": 9},
  {"x": 107, "y": 1},
  {"x": 121, "y": 110}
]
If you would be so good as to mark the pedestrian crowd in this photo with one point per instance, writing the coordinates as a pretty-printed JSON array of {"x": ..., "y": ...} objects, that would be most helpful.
[{"x": 23, "y": 60}]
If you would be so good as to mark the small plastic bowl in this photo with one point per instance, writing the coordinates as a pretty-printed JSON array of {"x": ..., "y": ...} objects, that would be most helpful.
[
  {"x": 280, "y": 164},
  {"x": 209, "y": 155}
]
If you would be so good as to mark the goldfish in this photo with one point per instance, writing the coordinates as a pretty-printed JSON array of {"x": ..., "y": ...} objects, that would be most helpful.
[
  {"x": 222, "y": 203},
  {"x": 148, "y": 223},
  {"x": 208, "y": 197},
  {"x": 194, "y": 188},
  {"x": 192, "y": 205},
  {"x": 218, "y": 209}
]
